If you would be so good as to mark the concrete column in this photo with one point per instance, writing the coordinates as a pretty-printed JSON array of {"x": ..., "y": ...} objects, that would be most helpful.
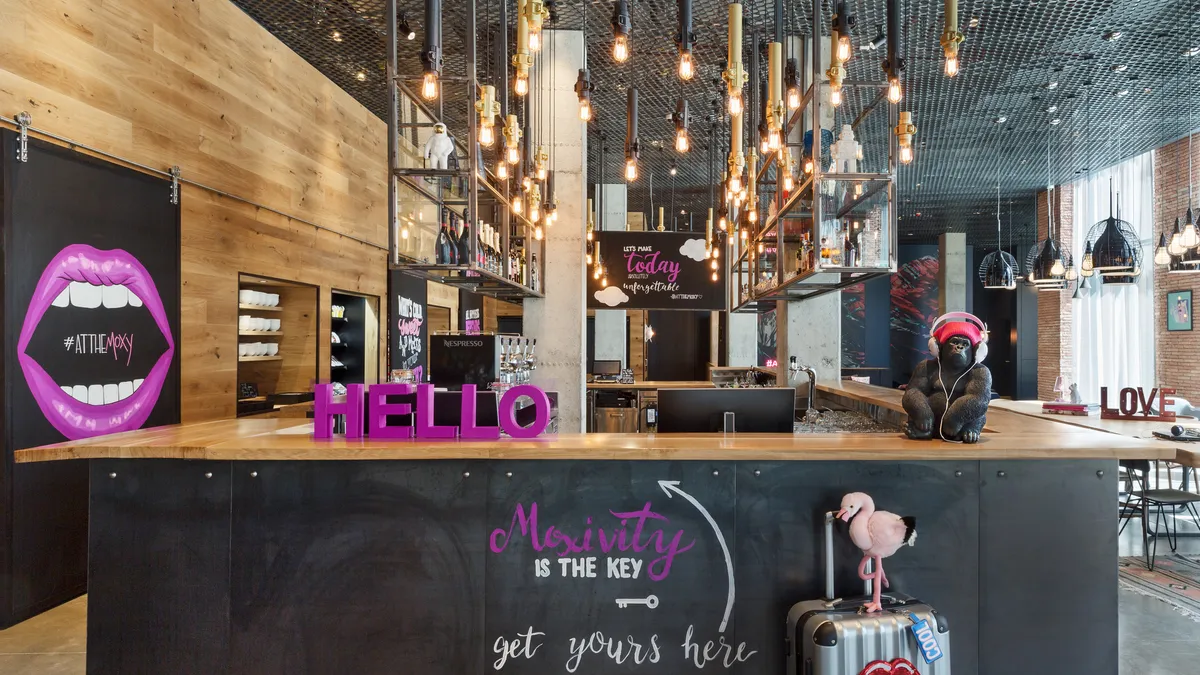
[
  {"x": 952, "y": 272},
  {"x": 558, "y": 321},
  {"x": 611, "y": 206},
  {"x": 812, "y": 332},
  {"x": 742, "y": 339}
]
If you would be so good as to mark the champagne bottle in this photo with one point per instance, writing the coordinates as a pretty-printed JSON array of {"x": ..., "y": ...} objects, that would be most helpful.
[{"x": 464, "y": 246}]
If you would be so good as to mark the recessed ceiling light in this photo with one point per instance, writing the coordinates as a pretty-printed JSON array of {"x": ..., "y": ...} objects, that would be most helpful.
[
  {"x": 1001, "y": 119},
  {"x": 1052, "y": 85},
  {"x": 1118, "y": 68},
  {"x": 974, "y": 22},
  {"x": 335, "y": 36},
  {"x": 1055, "y": 121},
  {"x": 1052, "y": 109},
  {"x": 1112, "y": 35},
  {"x": 360, "y": 75},
  {"x": 1191, "y": 51},
  {"x": 1120, "y": 92}
]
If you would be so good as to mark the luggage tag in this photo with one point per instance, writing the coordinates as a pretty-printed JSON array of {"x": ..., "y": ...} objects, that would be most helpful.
[{"x": 926, "y": 640}]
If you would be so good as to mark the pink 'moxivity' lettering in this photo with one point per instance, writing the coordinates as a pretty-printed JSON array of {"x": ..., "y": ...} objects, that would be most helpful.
[
  {"x": 648, "y": 263},
  {"x": 617, "y": 538}
]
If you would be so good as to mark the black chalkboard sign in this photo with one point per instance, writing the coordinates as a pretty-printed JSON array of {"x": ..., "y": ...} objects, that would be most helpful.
[
  {"x": 655, "y": 270},
  {"x": 407, "y": 329},
  {"x": 470, "y": 312}
]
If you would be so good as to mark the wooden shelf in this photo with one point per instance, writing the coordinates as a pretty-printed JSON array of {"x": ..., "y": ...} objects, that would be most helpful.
[
  {"x": 260, "y": 358},
  {"x": 259, "y": 308},
  {"x": 256, "y": 333}
]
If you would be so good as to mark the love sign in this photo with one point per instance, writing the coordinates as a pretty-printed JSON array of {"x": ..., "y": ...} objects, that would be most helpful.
[{"x": 1136, "y": 404}]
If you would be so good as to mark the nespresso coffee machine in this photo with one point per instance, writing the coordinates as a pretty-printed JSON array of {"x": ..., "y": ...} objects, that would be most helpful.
[{"x": 455, "y": 360}]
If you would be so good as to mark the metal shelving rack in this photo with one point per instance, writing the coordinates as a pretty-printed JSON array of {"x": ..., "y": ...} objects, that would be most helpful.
[
  {"x": 479, "y": 180},
  {"x": 805, "y": 203}
]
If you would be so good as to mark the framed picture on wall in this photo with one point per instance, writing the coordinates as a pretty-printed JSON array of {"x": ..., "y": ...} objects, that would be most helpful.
[{"x": 1179, "y": 310}]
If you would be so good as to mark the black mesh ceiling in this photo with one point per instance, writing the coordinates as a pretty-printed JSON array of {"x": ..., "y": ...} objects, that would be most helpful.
[{"x": 1114, "y": 98}]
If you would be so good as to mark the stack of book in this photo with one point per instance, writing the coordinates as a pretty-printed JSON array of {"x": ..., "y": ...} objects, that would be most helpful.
[{"x": 1068, "y": 408}]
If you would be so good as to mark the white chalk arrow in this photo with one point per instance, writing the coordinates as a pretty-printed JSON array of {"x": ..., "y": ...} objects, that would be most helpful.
[{"x": 672, "y": 486}]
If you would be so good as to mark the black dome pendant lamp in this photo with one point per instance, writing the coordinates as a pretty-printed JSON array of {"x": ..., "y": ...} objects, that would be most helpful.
[
  {"x": 999, "y": 268},
  {"x": 1047, "y": 262},
  {"x": 1116, "y": 250}
]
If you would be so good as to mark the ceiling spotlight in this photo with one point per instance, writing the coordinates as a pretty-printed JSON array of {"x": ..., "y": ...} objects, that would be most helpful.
[
  {"x": 1121, "y": 92},
  {"x": 674, "y": 170},
  {"x": 1052, "y": 109},
  {"x": 1191, "y": 51},
  {"x": 621, "y": 26},
  {"x": 1118, "y": 68},
  {"x": 360, "y": 75},
  {"x": 1052, "y": 85},
  {"x": 405, "y": 29},
  {"x": 1112, "y": 35},
  {"x": 1000, "y": 120},
  {"x": 1056, "y": 121},
  {"x": 431, "y": 55},
  {"x": 336, "y": 36},
  {"x": 974, "y": 22},
  {"x": 876, "y": 42}
]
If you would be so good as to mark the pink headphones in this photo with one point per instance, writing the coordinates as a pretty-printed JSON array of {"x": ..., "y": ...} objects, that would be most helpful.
[{"x": 959, "y": 323}]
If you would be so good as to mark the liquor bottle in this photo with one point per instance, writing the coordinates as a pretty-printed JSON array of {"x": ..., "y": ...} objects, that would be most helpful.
[
  {"x": 464, "y": 245},
  {"x": 524, "y": 271},
  {"x": 533, "y": 272},
  {"x": 442, "y": 248},
  {"x": 451, "y": 236}
]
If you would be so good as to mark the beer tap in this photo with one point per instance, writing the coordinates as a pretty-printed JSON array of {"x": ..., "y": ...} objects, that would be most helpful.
[{"x": 530, "y": 361}]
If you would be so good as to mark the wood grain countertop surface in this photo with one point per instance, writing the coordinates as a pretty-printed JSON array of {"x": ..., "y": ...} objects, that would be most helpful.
[{"x": 1011, "y": 435}]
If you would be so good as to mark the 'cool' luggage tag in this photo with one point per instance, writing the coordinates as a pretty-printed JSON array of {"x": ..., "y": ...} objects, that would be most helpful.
[{"x": 926, "y": 640}]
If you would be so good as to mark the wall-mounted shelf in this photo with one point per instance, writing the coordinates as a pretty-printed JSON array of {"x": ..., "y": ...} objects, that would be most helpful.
[
  {"x": 259, "y": 333},
  {"x": 242, "y": 359},
  {"x": 259, "y": 308}
]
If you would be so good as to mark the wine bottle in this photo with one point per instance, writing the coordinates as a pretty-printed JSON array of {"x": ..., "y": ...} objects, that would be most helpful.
[{"x": 464, "y": 244}]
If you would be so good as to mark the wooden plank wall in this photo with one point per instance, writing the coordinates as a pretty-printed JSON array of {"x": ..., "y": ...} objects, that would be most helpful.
[{"x": 200, "y": 85}]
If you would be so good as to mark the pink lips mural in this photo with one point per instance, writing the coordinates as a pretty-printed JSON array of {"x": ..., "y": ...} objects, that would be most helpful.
[{"x": 82, "y": 264}]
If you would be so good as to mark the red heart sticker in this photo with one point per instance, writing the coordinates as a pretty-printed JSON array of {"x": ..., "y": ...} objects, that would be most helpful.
[{"x": 895, "y": 667}]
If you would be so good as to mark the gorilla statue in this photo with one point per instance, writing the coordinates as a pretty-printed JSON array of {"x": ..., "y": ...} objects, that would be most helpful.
[{"x": 948, "y": 394}]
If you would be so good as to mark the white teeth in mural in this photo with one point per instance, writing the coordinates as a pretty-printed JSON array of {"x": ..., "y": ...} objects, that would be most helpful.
[
  {"x": 89, "y": 296},
  {"x": 85, "y": 295},
  {"x": 114, "y": 297},
  {"x": 103, "y": 394}
]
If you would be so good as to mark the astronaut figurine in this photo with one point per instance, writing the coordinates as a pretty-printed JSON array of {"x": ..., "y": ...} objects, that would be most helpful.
[{"x": 438, "y": 148}]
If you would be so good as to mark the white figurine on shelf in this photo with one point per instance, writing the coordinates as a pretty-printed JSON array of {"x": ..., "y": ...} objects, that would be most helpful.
[
  {"x": 846, "y": 151},
  {"x": 438, "y": 148}
]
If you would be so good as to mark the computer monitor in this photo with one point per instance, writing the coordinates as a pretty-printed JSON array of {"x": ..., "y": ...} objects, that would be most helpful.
[
  {"x": 759, "y": 410},
  {"x": 606, "y": 368}
]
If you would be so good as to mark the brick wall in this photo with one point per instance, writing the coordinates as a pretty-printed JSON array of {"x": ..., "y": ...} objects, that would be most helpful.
[
  {"x": 1177, "y": 354},
  {"x": 1055, "y": 322}
]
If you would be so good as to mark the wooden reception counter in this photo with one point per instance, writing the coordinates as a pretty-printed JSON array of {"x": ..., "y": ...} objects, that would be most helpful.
[{"x": 245, "y": 546}]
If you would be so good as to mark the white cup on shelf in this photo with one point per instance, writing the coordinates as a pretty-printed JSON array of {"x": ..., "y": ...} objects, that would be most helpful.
[
  {"x": 274, "y": 324},
  {"x": 272, "y": 348},
  {"x": 262, "y": 348},
  {"x": 243, "y": 349},
  {"x": 244, "y": 297},
  {"x": 244, "y": 322},
  {"x": 272, "y": 299}
]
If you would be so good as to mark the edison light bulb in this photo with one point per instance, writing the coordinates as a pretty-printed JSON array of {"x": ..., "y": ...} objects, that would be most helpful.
[
  {"x": 764, "y": 146},
  {"x": 723, "y": 224},
  {"x": 793, "y": 98},
  {"x": 1176, "y": 245},
  {"x": 537, "y": 232},
  {"x": 808, "y": 166},
  {"x": 760, "y": 247},
  {"x": 604, "y": 281},
  {"x": 429, "y": 86},
  {"x": 585, "y": 111},
  {"x": 745, "y": 234},
  {"x": 906, "y": 154},
  {"x": 835, "y": 96},
  {"x": 952, "y": 66},
  {"x": 735, "y": 103},
  {"x": 535, "y": 213},
  {"x": 589, "y": 234},
  {"x": 735, "y": 184},
  {"x": 535, "y": 41},
  {"x": 1087, "y": 265},
  {"x": 526, "y": 182},
  {"x": 516, "y": 203},
  {"x": 773, "y": 140},
  {"x": 715, "y": 277},
  {"x": 858, "y": 189},
  {"x": 631, "y": 170},
  {"x": 521, "y": 86},
  {"x": 681, "y": 144},
  {"x": 596, "y": 272},
  {"x": 502, "y": 170},
  {"x": 686, "y": 67},
  {"x": 1190, "y": 238},
  {"x": 404, "y": 231},
  {"x": 1161, "y": 257},
  {"x": 753, "y": 215},
  {"x": 512, "y": 155},
  {"x": 714, "y": 264},
  {"x": 894, "y": 93},
  {"x": 716, "y": 252},
  {"x": 845, "y": 50},
  {"x": 541, "y": 173},
  {"x": 1057, "y": 269},
  {"x": 589, "y": 258},
  {"x": 487, "y": 136},
  {"x": 621, "y": 49},
  {"x": 789, "y": 183}
]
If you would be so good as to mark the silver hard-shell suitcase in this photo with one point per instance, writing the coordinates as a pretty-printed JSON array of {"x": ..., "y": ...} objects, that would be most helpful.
[{"x": 831, "y": 636}]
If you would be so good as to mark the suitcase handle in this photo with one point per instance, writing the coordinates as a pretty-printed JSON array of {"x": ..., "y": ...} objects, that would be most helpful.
[{"x": 830, "y": 516}]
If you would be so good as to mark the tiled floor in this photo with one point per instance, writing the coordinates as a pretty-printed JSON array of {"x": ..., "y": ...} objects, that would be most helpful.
[{"x": 1155, "y": 640}]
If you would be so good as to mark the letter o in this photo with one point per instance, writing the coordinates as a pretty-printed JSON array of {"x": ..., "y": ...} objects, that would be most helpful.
[
  {"x": 508, "y": 413},
  {"x": 1129, "y": 401}
]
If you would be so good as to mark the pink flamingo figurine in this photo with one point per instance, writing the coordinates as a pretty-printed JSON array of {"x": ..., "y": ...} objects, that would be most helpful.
[{"x": 879, "y": 534}]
